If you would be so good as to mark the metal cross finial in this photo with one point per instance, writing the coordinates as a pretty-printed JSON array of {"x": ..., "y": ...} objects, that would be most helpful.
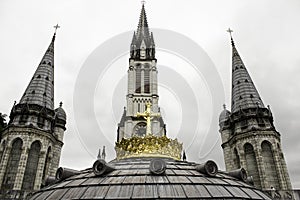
[
  {"x": 148, "y": 116},
  {"x": 230, "y": 31},
  {"x": 143, "y": 2},
  {"x": 56, "y": 27}
]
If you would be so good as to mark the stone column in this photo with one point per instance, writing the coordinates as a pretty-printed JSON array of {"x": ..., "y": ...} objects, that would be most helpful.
[
  {"x": 3, "y": 164},
  {"x": 55, "y": 159},
  {"x": 260, "y": 166},
  {"x": 40, "y": 169},
  {"x": 154, "y": 80},
  {"x": 242, "y": 156},
  {"x": 21, "y": 168}
]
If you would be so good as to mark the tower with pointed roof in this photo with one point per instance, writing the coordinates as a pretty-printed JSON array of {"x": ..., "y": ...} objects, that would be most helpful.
[
  {"x": 152, "y": 166},
  {"x": 249, "y": 137},
  {"x": 142, "y": 84},
  {"x": 31, "y": 142}
]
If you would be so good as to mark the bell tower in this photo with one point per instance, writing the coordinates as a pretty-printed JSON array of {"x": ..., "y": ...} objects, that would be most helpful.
[
  {"x": 31, "y": 142},
  {"x": 142, "y": 84},
  {"x": 249, "y": 137}
]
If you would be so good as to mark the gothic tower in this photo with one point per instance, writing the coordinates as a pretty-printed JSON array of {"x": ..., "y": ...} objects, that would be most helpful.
[
  {"x": 31, "y": 142},
  {"x": 249, "y": 137},
  {"x": 142, "y": 84}
]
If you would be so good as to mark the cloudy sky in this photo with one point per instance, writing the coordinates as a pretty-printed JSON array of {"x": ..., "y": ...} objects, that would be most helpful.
[{"x": 96, "y": 32}]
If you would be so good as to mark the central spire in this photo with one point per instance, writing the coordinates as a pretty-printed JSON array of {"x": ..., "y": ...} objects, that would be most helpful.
[
  {"x": 142, "y": 45},
  {"x": 142, "y": 88},
  {"x": 143, "y": 29}
]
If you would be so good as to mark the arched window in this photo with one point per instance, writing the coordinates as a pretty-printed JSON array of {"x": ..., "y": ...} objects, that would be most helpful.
[
  {"x": 138, "y": 80},
  {"x": 269, "y": 163},
  {"x": 251, "y": 163},
  {"x": 12, "y": 165},
  {"x": 46, "y": 165},
  {"x": 236, "y": 159},
  {"x": 31, "y": 166},
  {"x": 147, "y": 81}
]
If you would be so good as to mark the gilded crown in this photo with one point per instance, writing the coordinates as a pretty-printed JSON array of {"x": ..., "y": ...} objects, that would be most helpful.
[{"x": 148, "y": 146}]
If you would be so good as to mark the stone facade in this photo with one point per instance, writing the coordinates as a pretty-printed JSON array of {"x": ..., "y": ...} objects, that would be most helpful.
[
  {"x": 249, "y": 137},
  {"x": 142, "y": 85},
  {"x": 31, "y": 142}
]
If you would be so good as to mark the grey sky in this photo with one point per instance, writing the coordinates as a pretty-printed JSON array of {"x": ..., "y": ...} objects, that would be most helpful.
[{"x": 266, "y": 34}]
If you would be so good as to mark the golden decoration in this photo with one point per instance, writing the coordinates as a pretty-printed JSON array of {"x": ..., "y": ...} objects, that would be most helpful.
[{"x": 148, "y": 146}]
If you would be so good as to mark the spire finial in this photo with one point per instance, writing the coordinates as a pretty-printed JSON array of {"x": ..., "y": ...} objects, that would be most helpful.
[
  {"x": 230, "y": 33},
  {"x": 143, "y": 2},
  {"x": 56, "y": 27},
  {"x": 99, "y": 154},
  {"x": 183, "y": 156},
  {"x": 224, "y": 106},
  {"x": 103, "y": 153}
]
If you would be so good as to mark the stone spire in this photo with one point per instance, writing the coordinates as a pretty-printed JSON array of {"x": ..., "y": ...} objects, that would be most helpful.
[
  {"x": 142, "y": 45},
  {"x": 142, "y": 86},
  {"x": 143, "y": 29},
  {"x": 40, "y": 90},
  {"x": 244, "y": 93}
]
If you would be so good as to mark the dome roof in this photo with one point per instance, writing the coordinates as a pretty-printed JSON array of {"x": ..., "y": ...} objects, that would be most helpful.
[
  {"x": 132, "y": 179},
  {"x": 60, "y": 112},
  {"x": 224, "y": 115}
]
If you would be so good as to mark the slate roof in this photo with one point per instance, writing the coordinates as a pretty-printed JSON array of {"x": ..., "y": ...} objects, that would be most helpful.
[
  {"x": 132, "y": 180},
  {"x": 40, "y": 89},
  {"x": 244, "y": 93}
]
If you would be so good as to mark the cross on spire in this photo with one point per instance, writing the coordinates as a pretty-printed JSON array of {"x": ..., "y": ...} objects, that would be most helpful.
[
  {"x": 230, "y": 33},
  {"x": 143, "y": 2},
  {"x": 56, "y": 27}
]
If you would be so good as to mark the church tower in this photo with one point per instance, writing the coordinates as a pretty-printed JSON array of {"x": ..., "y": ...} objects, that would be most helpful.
[
  {"x": 249, "y": 137},
  {"x": 31, "y": 142},
  {"x": 142, "y": 84}
]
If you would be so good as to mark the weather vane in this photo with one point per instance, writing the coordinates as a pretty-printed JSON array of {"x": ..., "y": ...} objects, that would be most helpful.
[
  {"x": 143, "y": 2},
  {"x": 56, "y": 27}
]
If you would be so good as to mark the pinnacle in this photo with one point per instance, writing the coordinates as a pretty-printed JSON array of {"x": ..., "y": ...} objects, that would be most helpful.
[
  {"x": 143, "y": 29},
  {"x": 40, "y": 89},
  {"x": 244, "y": 92}
]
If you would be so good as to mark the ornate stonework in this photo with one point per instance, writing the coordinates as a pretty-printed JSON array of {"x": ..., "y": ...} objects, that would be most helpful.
[
  {"x": 142, "y": 84},
  {"x": 31, "y": 142},
  {"x": 249, "y": 137}
]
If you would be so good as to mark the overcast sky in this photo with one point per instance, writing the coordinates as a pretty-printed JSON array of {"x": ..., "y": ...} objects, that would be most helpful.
[{"x": 266, "y": 34}]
